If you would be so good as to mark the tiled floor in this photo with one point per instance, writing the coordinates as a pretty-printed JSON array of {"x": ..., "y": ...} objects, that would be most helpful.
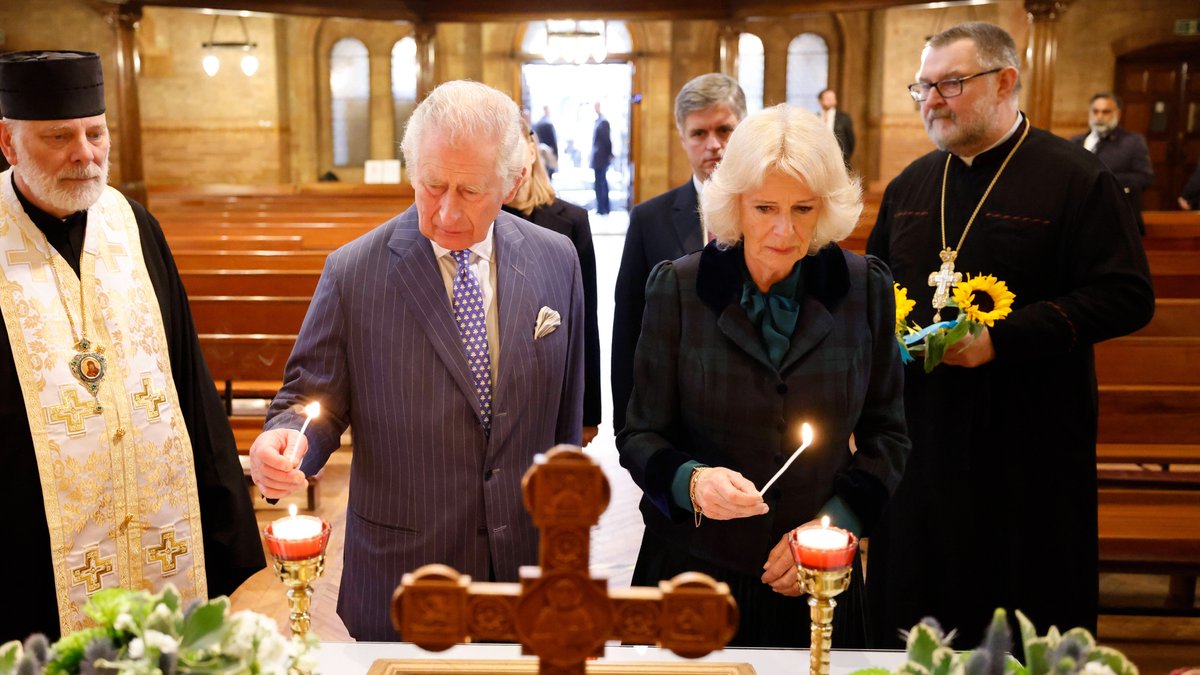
[{"x": 1156, "y": 644}]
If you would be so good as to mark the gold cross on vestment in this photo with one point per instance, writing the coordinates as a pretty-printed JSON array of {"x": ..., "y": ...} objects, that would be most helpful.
[
  {"x": 944, "y": 279},
  {"x": 149, "y": 398},
  {"x": 93, "y": 568},
  {"x": 30, "y": 256},
  {"x": 166, "y": 552},
  {"x": 107, "y": 252},
  {"x": 559, "y": 612},
  {"x": 71, "y": 411}
]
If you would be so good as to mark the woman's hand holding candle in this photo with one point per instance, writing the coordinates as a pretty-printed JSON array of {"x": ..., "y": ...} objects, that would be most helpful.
[{"x": 725, "y": 494}]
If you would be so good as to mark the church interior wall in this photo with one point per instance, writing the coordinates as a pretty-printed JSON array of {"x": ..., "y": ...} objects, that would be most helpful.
[
  {"x": 198, "y": 129},
  {"x": 1091, "y": 35}
]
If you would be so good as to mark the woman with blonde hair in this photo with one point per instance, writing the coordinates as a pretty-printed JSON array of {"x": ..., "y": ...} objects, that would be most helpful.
[
  {"x": 770, "y": 326},
  {"x": 536, "y": 202}
]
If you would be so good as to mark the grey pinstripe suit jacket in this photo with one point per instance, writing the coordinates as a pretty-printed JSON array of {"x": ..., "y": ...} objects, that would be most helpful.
[{"x": 379, "y": 349}]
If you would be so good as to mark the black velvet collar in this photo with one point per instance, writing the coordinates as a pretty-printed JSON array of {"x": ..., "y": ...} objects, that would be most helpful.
[{"x": 721, "y": 276}]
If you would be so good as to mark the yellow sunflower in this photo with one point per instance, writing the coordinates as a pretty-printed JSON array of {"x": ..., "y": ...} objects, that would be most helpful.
[
  {"x": 1000, "y": 297},
  {"x": 903, "y": 304}
]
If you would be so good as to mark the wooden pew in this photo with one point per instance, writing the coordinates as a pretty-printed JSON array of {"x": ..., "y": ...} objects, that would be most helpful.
[
  {"x": 1149, "y": 413},
  {"x": 250, "y": 260},
  {"x": 250, "y": 282},
  {"x": 1149, "y": 361},
  {"x": 235, "y": 242},
  {"x": 1176, "y": 273},
  {"x": 312, "y": 235},
  {"x": 1174, "y": 317},
  {"x": 249, "y": 315},
  {"x": 1152, "y": 532},
  {"x": 1165, "y": 454}
]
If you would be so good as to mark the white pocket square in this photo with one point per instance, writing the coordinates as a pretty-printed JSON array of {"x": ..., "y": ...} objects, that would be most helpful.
[{"x": 547, "y": 321}]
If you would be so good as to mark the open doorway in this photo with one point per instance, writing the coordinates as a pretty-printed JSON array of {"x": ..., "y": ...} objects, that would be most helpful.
[{"x": 569, "y": 92}]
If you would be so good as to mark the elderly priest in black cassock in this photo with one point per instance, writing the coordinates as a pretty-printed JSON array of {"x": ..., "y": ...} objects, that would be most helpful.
[
  {"x": 118, "y": 466},
  {"x": 997, "y": 507}
]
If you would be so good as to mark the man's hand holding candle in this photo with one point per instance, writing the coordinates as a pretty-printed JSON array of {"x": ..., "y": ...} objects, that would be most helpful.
[{"x": 275, "y": 474}]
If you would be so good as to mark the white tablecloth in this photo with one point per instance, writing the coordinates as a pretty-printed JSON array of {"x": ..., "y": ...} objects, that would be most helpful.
[{"x": 354, "y": 658}]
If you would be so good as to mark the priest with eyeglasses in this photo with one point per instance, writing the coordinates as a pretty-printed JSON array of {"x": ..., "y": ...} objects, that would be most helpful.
[
  {"x": 998, "y": 503},
  {"x": 118, "y": 467}
]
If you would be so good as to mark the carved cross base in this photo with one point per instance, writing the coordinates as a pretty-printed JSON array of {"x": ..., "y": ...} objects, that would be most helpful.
[{"x": 559, "y": 612}]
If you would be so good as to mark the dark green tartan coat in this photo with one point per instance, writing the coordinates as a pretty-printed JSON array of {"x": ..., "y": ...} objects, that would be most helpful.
[{"x": 705, "y": 390}]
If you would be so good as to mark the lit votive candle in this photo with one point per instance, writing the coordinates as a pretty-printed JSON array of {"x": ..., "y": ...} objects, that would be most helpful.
[
  {"x": 823, "y": 547},
  {"x": 296, "y": 537}
]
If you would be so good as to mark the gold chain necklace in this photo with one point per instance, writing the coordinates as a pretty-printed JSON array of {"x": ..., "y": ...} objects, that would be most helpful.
[
  {"x": 88, "y": 365},
  {"x": 945, "y": 277}
]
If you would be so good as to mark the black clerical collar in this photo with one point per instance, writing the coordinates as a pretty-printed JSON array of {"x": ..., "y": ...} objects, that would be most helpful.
[{"x": 64, "y": 234}]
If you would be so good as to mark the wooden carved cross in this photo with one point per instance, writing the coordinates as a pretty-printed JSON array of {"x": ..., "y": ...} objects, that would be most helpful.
[{"x": 558, "y": 611}]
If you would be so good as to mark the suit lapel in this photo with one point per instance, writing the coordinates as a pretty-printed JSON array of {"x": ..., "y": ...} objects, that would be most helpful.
[
  {"x": 516, "y": 304},
  {"x": 686, "y": 219},
  {"x": 814, "y": 324},
  {"x": 414, "y": 270}
]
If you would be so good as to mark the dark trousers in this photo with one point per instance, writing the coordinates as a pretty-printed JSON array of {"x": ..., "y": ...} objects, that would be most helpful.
[{"x": 601, "y": 189}]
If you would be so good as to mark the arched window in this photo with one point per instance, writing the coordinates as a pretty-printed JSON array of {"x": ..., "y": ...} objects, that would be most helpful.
[
  {"x": 807, "y": 70},
  {"x": 404, "y": 84},
  {"x": 750, "y": 70},
  {"x": 350, "y": 88}
]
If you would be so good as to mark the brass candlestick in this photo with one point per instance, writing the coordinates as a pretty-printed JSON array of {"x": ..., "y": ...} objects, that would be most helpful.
[
  {"x": 298, "y": 563},
  {"x": 822, "y": 585},
  {"x": 824, "y": 562}
]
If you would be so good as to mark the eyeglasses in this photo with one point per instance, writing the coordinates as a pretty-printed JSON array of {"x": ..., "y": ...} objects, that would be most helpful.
[{"x": 948, "y": 88}]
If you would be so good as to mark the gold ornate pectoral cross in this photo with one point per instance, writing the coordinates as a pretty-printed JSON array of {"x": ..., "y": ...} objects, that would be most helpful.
[{"x": 944, "y": 279}]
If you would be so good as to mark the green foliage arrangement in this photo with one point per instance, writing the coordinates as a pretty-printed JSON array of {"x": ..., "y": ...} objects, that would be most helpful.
[
  {"x": 1074, "y": 652},
  {"x": 143, "y": 633}
]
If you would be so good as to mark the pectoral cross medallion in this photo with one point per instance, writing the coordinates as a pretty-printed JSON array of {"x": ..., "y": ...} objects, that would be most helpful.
[
  {"x": 943, "y": 280},
  {"x": 89, "y": 365}
]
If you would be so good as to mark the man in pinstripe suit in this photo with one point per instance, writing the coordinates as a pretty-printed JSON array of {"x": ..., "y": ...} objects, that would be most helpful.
[{"x": 448, "y": 407}]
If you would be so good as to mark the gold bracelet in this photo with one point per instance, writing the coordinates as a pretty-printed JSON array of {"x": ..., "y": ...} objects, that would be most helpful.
[{"x": 696, "y": 510}]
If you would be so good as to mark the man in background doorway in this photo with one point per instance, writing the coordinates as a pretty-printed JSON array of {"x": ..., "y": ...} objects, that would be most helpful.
[
  {"x": 1124, "y": 152},
  {"x": 838, "y": 121},
  {"x": 668, "y": 226},
  {"x": 546, "y": 135},
  {"x": 602, "y": 156}
]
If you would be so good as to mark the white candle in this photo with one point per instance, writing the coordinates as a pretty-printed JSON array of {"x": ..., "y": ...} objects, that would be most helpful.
[
  {"x": 310, "y": 411},
  {"x": 806, "y": 438},
  {"x": 824, "y": 537},
  {"x": 296, "y": 527}
]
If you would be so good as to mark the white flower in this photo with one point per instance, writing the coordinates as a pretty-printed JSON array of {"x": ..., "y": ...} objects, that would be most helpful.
[
  {"x": 162, "y": 610},
  {"x": 124, "y": 622},
  {"x": 137, "y": 648},
  {"x": 1096, "y": 668},
  {"x": 164, "y": 643}
]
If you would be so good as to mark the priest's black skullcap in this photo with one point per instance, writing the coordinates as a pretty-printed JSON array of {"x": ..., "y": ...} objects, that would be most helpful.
[{"x": 50, "y": 85}]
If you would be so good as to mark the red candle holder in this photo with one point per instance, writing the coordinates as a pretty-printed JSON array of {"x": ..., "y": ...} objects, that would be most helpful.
[
  {"x": 297, "y": 549},
  {"x": 823, "y": 558}
]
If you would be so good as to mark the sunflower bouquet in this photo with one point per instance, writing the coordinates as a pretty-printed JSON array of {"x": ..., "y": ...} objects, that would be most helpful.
[{"x": 981, "y": 301}]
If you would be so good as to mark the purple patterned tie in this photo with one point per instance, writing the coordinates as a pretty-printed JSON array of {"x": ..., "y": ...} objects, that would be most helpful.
[{"x": 468, "y": 314}]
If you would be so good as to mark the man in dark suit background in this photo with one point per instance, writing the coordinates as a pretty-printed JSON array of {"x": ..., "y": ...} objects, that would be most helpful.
[
  {"x": 838, "y": 121},
  {"x": 547, "y": 136},
  {"x": 668, "y": 226},
  {"x": 451, "y": 339},
  {"x": 1124, "y": 152},
  {"x": 602, "y": 156}
]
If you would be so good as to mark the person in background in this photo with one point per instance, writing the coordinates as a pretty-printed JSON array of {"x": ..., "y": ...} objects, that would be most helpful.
[
  {"x": 602, "y": 156},
  {"x": 547, "y": 136},
  {"x": 1124, "y": 152},
  {"x": 769, "y": 326},
  {"x": 707, "y": 109},
  {"x": 838, "y": 122},
  {"x": 536, "y": 202},
  {"x": 1190, "y": 199}
]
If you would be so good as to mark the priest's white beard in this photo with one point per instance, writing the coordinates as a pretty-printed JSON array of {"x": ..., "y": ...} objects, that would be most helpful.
[{"x": 61, "y": 191}]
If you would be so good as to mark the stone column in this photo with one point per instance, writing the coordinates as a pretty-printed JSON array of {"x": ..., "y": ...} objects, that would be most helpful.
[
  {"x": 727, "y": 49},
  {"x": 425, "y": 34},
  {"x": 123, "y": 18},
  {"x": 1041, "y": 57}
]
